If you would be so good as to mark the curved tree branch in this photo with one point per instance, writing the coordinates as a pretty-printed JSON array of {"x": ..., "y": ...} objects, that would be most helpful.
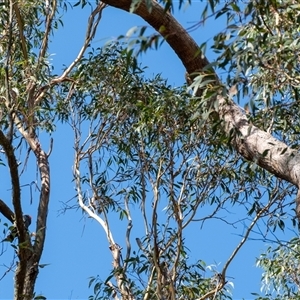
[{"x": 252, "y": 143}]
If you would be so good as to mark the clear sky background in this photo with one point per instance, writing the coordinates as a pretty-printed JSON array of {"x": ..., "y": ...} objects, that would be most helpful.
[{"x": 76, "y": 247}]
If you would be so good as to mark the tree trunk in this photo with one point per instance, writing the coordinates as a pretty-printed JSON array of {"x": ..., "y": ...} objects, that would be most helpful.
[{"x": 29, "y": 254}]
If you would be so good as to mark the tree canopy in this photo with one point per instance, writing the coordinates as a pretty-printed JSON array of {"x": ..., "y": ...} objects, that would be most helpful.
[{"x": 154, "y": 159}]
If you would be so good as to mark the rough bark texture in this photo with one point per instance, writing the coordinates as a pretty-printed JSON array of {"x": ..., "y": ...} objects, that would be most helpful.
[
  {"x": 28, "y": 266},
  {"x": 29, "y": 255},
  {"x": 251, "y": 142}
]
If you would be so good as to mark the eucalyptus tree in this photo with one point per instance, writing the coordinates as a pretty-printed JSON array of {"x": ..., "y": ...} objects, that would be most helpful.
[
  {"x": 27, "y": 91},
  {"x": 247, "y": 121},
  {"x": 174, "y": 155},
  {"x": 257, "y": 50}
]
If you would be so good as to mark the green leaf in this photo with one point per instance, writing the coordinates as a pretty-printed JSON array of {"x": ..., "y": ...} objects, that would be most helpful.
[
  {"x": 43, "y": 265},
  {"x": 40, "y": 297}
]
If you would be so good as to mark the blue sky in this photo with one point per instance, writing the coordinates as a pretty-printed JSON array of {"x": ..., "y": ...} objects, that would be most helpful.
[{"x": 76, "y": 247}]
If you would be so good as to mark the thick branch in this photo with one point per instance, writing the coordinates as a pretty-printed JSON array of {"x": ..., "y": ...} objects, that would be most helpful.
[
  {"x": 259, "y": 146},
  {"x": 6, "y": 211},
  {"x": 93, "y": 22},
  {"x": 176, "y": 36},
  {"x": 49, "y": 19},
  {"x": 16, "y": 200},
  {"x": 43, "y": 164},
  {"x": 27, "y": 269},
  {"x": 16, "y": 193},
  {"x": 251, "y": 142}
]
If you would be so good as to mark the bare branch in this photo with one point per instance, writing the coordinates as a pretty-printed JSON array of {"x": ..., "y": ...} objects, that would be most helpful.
[
  {"x": 6, "y": 211},
  {"x": 44, "y": 169},
  {"x": 8, "y": 57},
  {"x": 242, "y": 242},
  {"x": 25, "y": 161},
  {"x": 9, "y": 268},
  {"x": 78, "y": 157},
  {"x": 143, "y": 183},
  {"x": 21, "y": 29},
  {"x": 50, "y": 147},
  {"x": 128, "y": 231},
  {"x": 16, "y": 200},
  {"x": 90, "y": 33},
  {"x": 156, "y": 251},
  {"x": 48, "y": 26},
  {"x": 147, "y": 293},
  {"x": 16, "y": 192}
]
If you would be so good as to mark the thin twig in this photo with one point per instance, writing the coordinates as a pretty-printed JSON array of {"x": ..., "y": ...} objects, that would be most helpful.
[
  {"x": 90, "y": 33},
  {"x": 128, "y": 230}
]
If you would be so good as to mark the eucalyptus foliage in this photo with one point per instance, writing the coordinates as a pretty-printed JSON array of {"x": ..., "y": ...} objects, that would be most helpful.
[{"x": 156, "y": 157}]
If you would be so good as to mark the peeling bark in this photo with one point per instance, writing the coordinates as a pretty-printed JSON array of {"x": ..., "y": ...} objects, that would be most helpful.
[{"x": 251, "y": 142}]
